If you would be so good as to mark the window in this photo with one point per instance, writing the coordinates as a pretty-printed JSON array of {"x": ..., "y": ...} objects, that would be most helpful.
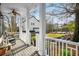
[{"x": 32, "y": 23}]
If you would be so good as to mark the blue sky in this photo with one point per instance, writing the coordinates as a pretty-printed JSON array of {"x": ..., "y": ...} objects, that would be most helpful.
[{"x": 55, "y": 19}]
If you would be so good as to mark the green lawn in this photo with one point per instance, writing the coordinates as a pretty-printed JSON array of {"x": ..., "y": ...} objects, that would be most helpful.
[
  {"x": 55, "y": 35},
  {"x": 52, "y": 36}
]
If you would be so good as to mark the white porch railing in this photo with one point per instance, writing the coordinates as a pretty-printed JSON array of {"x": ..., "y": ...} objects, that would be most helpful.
[{"x": 60, "y": 47}]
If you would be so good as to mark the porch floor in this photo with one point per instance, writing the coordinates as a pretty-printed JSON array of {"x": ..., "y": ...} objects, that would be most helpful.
[{"x": 22, "y": 49}]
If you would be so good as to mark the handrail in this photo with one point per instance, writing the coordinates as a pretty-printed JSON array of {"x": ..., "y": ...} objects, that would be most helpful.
[{"x": 61, "y": 40}]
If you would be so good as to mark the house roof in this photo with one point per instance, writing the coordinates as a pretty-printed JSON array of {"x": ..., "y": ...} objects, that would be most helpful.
[{"x": 34, "y": 18}]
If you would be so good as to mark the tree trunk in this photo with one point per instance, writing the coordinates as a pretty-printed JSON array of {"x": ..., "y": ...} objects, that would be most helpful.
[{"x": 76, "y": 33}]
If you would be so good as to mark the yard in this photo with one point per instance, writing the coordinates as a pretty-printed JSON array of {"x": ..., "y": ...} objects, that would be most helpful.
[
  {"x": 55, "y": 35},
  {"x": 51, "y": 35}
]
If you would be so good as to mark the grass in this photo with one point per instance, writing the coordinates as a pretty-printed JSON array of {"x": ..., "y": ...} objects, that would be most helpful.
[
  {"x": 64, "y": 52},
  {"x": 50, "y": 35},
  {"x": 55, "y": 35}
]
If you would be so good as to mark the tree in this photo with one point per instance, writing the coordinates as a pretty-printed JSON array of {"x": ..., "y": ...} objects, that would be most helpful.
[
  {"x": 70, "y": 27},
  {"x": 68, "y": 10},
  {"x": 49, "y": 28},
  {"x": 1, "y": 22},
  {"x": 76, "y": 33}
]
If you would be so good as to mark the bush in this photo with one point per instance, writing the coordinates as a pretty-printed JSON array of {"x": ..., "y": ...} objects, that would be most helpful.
[{"x": 33, "y": 38}]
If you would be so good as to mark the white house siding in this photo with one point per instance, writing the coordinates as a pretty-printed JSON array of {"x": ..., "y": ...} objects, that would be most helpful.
[{"x": 34, "y": 23}]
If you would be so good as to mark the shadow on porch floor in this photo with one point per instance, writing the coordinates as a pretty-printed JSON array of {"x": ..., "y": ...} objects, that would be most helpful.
[{"x": 22, "y": 49}]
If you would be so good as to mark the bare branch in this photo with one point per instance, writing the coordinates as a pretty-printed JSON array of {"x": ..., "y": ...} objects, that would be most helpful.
[{"x": 62, "y": 10}]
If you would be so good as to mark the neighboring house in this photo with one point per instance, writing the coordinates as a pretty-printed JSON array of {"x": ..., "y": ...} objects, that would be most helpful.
[{"x": 34, "y": 23}]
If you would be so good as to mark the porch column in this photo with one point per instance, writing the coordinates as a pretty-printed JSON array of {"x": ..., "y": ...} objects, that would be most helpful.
[
  {"x": 20, "y": 26},
  {"x": 28, "y": 35},
  {"x": 42, "y": 30},
  {"x": 25, "y": 36}
]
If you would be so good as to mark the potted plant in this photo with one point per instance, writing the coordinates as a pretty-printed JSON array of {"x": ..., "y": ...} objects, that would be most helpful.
[{"x": 2, "y": 51}]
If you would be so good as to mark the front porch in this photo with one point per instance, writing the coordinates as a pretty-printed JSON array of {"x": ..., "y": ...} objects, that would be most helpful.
[
  {"x": 45, "y": 46},
  {"x": 24, "y": 41}
]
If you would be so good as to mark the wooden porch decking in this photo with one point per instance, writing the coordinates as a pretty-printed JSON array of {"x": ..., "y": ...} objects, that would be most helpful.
[
  {"x": 22, "y": 49},
  {"x": 29, "y": 51}
]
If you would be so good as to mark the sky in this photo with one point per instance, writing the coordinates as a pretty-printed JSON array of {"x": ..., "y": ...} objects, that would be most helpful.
[{"x": 52, "y": 19}]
